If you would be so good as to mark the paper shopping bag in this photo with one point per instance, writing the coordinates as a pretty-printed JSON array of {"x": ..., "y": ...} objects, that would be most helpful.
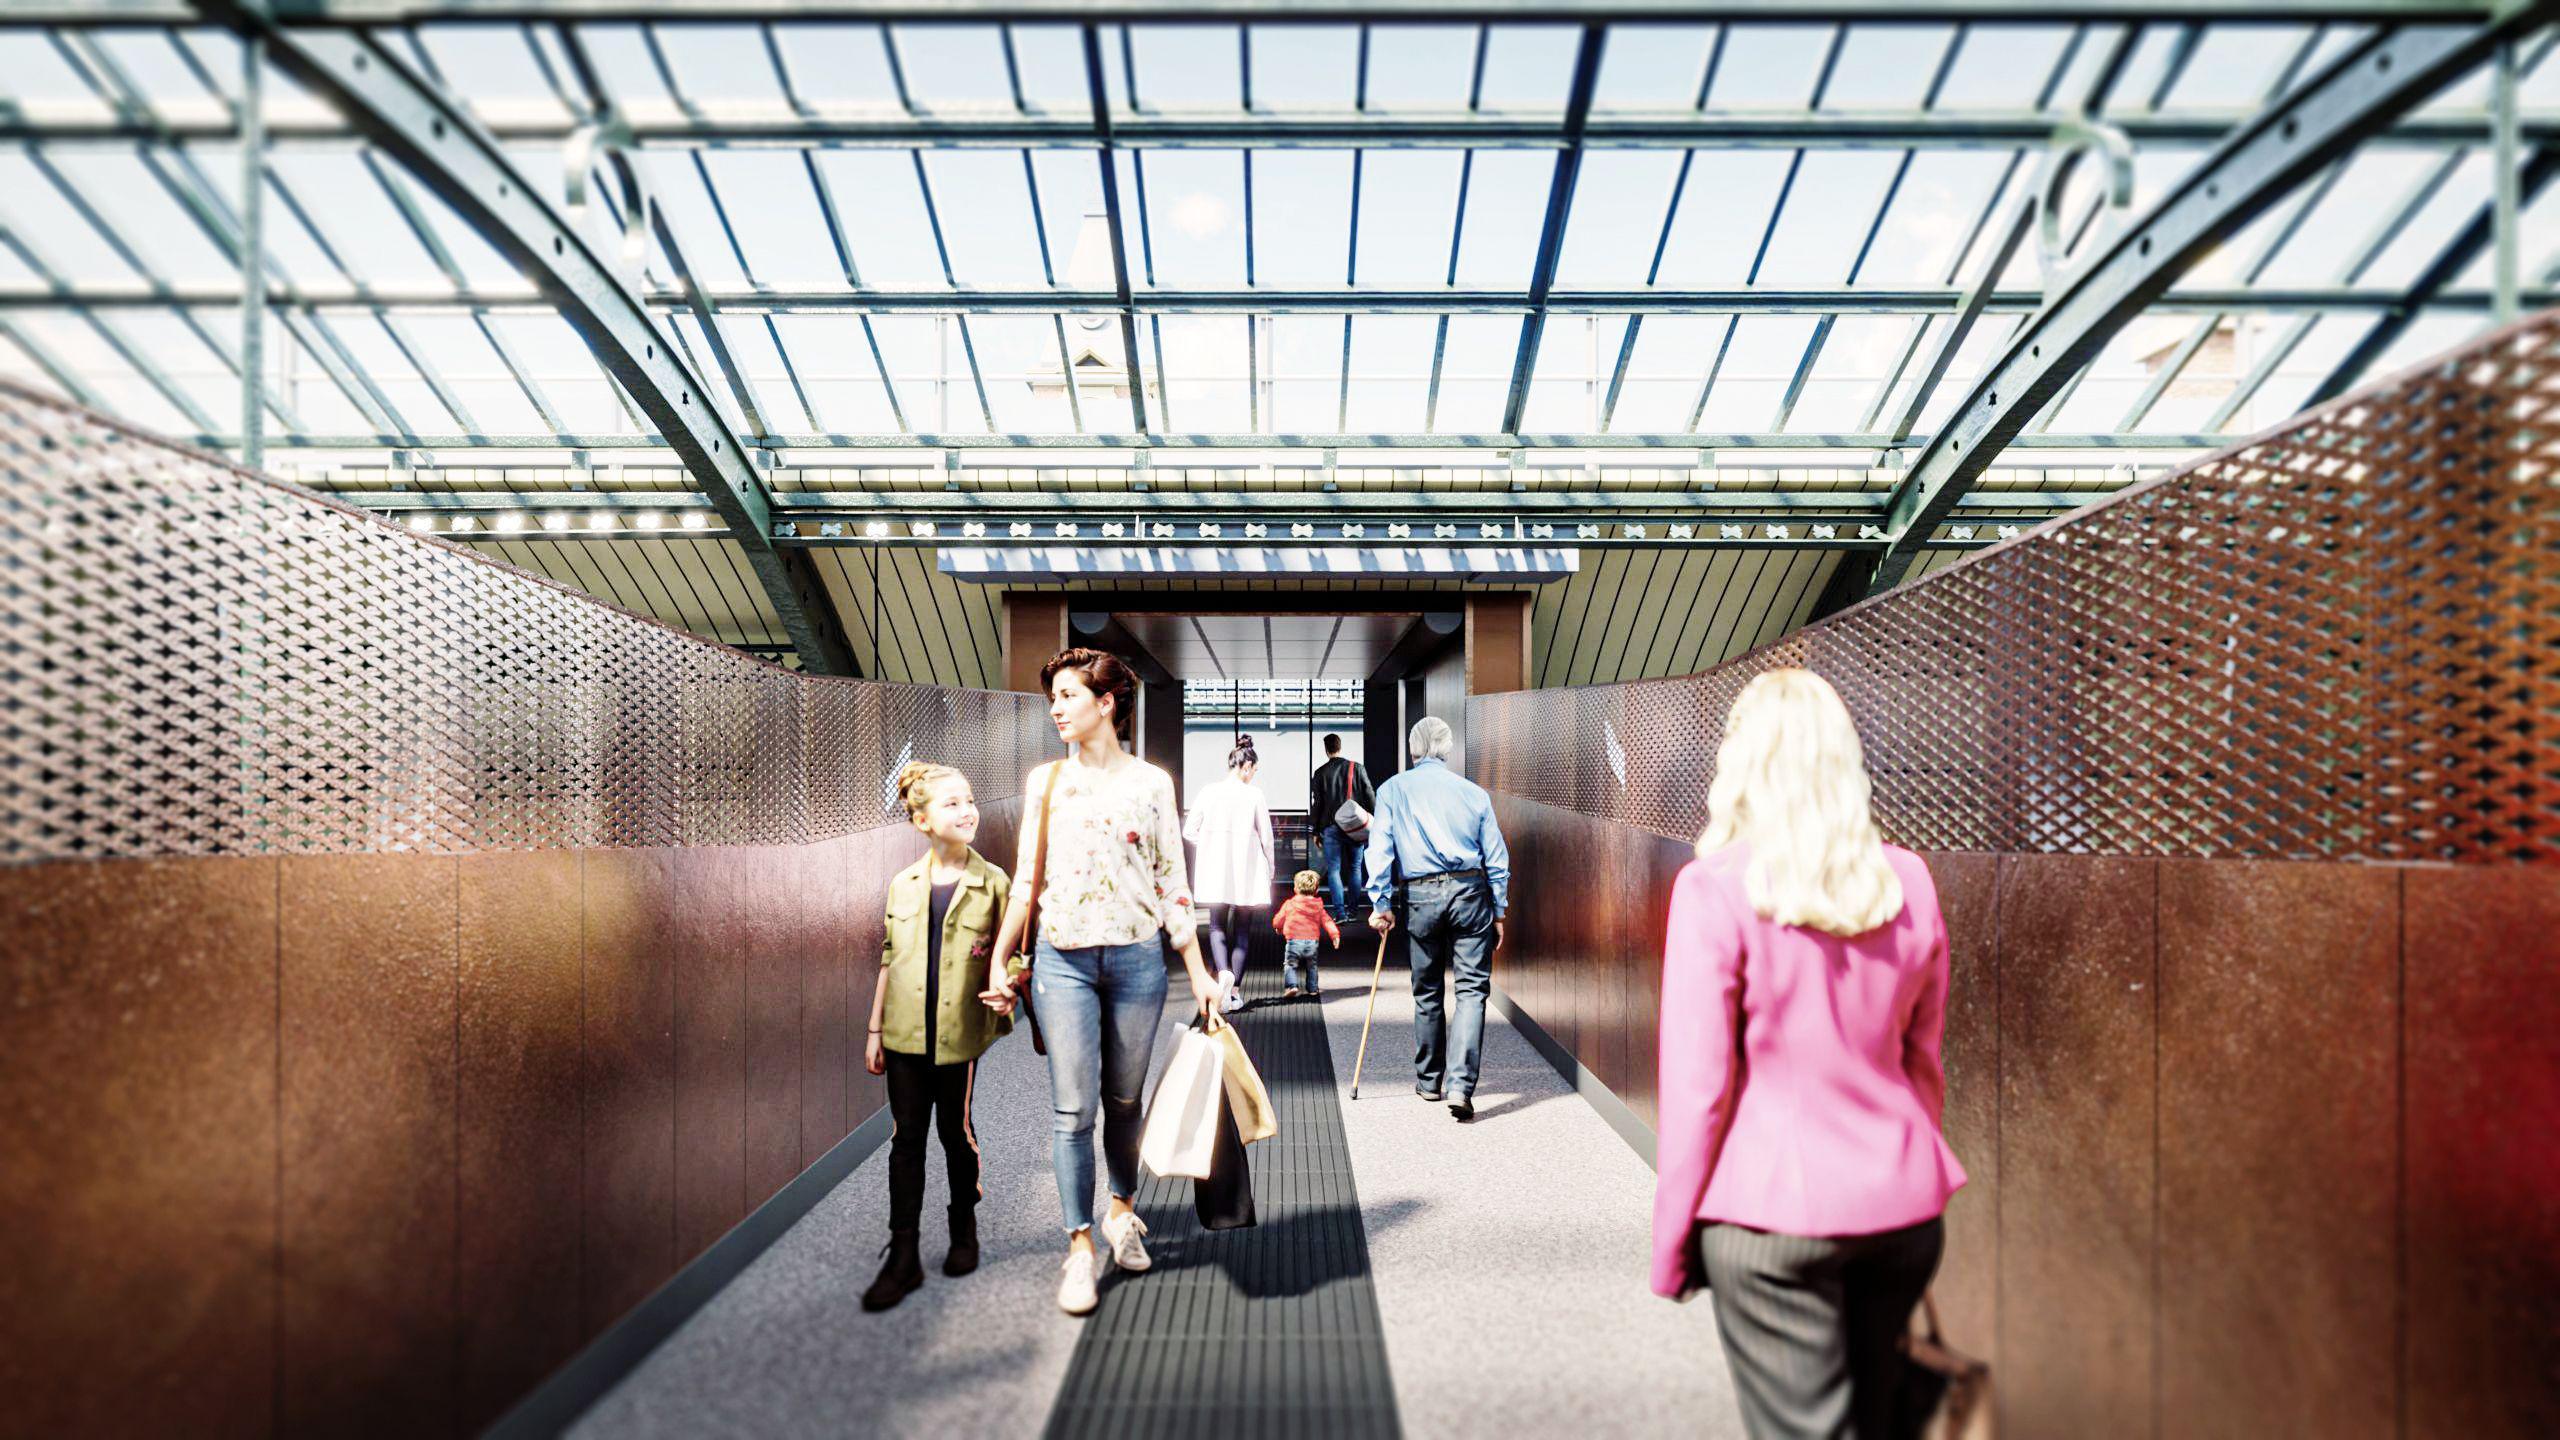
[
  {"x": 1181, "y": 1137},
  {"x": 1247, "y": 1100}
]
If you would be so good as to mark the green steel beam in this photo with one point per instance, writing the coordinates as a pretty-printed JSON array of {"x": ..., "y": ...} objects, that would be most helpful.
[
  {"x": 418, "y": 123},
  {"x": 2370, "y": 83}
]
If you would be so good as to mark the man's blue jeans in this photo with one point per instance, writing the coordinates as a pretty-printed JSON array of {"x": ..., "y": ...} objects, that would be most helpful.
[
  {"x": 1449, "y": 930},
  {"x": 1342, "y": 855},
  {"x": 1099, "y": 1009}
]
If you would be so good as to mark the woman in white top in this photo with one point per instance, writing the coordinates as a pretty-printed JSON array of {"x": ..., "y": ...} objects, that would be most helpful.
[
  {"x": 1231, "y": 823},
  {"x": 1111, "y": 889}
]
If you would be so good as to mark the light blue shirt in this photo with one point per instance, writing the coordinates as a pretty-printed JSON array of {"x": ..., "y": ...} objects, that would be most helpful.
[{"x": 1430, "y": 819}]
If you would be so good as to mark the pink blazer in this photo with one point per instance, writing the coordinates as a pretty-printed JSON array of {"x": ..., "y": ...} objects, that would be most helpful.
[{"x": 1800, "y": 1086}]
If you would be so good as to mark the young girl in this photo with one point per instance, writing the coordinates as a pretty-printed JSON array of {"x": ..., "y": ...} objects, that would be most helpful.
[
  {"x": 927, "y": 1025},
  {"x": 1301, "y": 917}
]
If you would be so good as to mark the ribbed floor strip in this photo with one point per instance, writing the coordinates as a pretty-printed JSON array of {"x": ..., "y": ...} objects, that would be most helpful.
[{"x": 1257, "y": 1334}]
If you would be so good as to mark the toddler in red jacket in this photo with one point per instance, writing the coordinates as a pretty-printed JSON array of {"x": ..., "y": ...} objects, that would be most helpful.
[{"x": 1299, "y": 920}]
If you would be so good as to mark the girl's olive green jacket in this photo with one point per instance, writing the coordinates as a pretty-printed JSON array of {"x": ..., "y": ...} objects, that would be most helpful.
[{"x": 966, "y": 1027}]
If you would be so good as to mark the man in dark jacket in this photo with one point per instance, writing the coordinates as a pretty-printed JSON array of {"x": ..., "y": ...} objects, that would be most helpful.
[{"x": 1335, "y": 780}]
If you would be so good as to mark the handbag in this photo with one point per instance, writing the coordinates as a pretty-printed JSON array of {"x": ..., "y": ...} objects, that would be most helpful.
[
  {"x": 1247, "y": 1101},
  {"x": 1223, "y": 1199},
  {"x": 1181, "y": 1135},
  {"x": 1943, "y": 1395},
  {"x": 1031, "y": 908},
  {"x": 1348, "y": 817}
]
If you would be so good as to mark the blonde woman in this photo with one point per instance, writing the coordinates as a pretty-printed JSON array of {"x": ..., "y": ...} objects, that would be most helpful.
[
  {"x": 1110, "y": 890},
  {"x": 1801, "y": 1171}
]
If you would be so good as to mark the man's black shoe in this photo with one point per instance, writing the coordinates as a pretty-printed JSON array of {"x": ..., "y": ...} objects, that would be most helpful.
[
  {"x": 1464, "y": 1107},
  {"x": 1431, "y": 1095}
]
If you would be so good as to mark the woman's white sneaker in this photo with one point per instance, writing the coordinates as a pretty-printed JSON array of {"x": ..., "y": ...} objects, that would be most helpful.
[
  {"x": 1076, "y": 1293},
  {"x": 1127, "y": 1250}
]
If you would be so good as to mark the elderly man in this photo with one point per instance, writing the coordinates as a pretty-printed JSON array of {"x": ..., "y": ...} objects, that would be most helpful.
[{"x": 1437, "y": 828}]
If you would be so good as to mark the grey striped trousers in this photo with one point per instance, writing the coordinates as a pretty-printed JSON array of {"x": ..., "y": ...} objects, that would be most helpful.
[{"x": 1811, "y": 1325}]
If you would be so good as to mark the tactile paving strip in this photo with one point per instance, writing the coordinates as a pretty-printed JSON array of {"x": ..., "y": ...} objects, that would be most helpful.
[
  {"x": 2340, "y": 640},
  {"x": 1267, "y": 1333},
  {"x": 197, "y": 660}
]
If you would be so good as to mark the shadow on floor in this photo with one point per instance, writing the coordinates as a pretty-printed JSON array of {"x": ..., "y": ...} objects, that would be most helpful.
[{"x": 1285, "y": 1256}]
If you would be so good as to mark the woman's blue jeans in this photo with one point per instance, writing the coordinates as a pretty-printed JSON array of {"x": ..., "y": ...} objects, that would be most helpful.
[{"x": 1099, "y": 1009}]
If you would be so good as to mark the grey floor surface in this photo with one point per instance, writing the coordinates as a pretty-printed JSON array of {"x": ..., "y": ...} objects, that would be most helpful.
[
  {"x": 1509, "y": 1258},
  {"x": 1511, "y": 1253}
]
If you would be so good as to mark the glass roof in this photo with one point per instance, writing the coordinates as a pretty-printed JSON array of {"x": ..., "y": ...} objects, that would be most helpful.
[{"x": 1332, "y": 233}]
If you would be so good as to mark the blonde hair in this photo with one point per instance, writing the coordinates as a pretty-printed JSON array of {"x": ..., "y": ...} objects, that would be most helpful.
[
  {"x": 1305, "y": 882},
  {"x": 1791, "y": 782},
  {"x": 916, "y": 780}
]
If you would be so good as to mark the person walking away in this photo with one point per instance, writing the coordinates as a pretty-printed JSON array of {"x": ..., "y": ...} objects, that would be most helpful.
[
  {"x": 926, "y": 1035},
  {"x": 1301, "y": 918},
  {"x": 1802, "y": 1171},
  {"x": 1105, "y": 831},
  {"x": 1436, "y": 828},
  {"x": 1231, "y": 825},
  {"x": 1335, "y": 781}
]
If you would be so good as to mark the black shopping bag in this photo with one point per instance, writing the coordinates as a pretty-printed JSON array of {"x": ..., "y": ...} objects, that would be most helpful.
[{"x": 1224, "y": 1201}]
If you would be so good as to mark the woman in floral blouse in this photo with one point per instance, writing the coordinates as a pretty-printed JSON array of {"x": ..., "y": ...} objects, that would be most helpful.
[{"x": 1112, "y": 888}]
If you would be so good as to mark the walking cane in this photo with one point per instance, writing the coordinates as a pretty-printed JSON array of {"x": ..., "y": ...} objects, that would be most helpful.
[{"x": 1376, "y": 972}]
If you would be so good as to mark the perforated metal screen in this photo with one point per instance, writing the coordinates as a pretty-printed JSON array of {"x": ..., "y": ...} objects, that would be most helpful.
[
  {"x": 2339, "y": 640},
  {"x": 198, "y": 661}
]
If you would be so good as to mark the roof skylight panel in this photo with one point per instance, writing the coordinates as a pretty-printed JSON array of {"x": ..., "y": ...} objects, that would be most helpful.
[
  {"x": 953, "y": 69},
  {"x": 719, "y": 69},
  {"x": 1652, "y": 68},
  {"x": 1187, "y": 67},
  {"x": 43, "y": 218},
  {"x": 1754, "y": 372},
  {"x": 1528, "y": 69},
  {"x": 837, "y": 69},
  {"x": 1302, "y": 219},
  {"x": 1196, "y": 217},
  {"x": 888, "y": 231},
  {"x": 1724, "y": 209},
  {"x": 1305, "y": 67},
  {"x": 1825, "y": 217},
  {"x": 1408, "y": 211},
  {"x": 1421, "y": 67},
  {"x": 2004, "y": 67},
  {"x": 1670, "y": 359},
  {"x": 833, "y": 355},
  {"x": 1208, "y": 374},
  {"x": 495, "y": 70},
  {"x": 984, "y": 204},
  {"x": 1620, "y": 203},
  {"x": 1886, "y": 67},
  {"x": 1576, "y": 356},
  {"x": 1858, "y": 353},
  {"x": 1506, "y": 202},
  {"x": 1475, "y": 374},
  {"x": 1018, "y": 362},
  {"x": 2234, "y": 67},
  {"x": 140, "y": 214},
  {"x": 773, "y": 217},
  {"x": 1305, "y": 382},
  {"x": 1390, "y": 373},
  {"x": 1770, "y": 67},
  {"x": 1943, "y": 198}
]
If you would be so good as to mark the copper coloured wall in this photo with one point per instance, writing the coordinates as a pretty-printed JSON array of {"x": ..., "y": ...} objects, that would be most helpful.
[
  {"x": 2242, "y": 793},
  {"x": 410, "y": 964}
]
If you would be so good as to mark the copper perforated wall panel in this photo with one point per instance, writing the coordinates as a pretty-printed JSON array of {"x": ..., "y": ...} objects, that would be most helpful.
[
  {"x": 2338, "y": 641},
  {"x": 261, "y": 671},
  {"x": 412, "y": 963}
]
